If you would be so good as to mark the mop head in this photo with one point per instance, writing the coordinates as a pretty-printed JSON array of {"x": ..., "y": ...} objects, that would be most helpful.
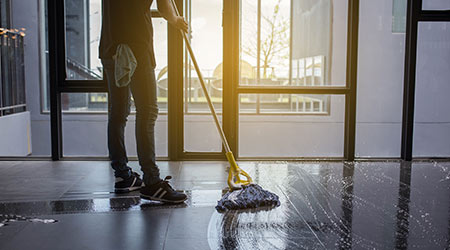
[{"x": 250, "y": 196}]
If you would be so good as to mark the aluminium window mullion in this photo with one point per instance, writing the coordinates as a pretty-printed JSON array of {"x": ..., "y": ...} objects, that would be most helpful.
[
  {"x": 258, "y": 57},
  {"x": 291, "y": 21},
  {"x": 1, "y": 74},
  {"x": 351, "y": 80},
  {"x": 434, "y": 16},
  {"x": 56, "y": 43},
  {"x": 175, "y": 114},
  {"x": 413, "y": 13},
  {"x": 292, "y": 90},
  {"x": 231, "y": 64}
]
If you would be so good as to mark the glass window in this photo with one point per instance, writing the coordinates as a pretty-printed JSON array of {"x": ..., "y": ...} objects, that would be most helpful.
[
  {"x": 381, "y": 58},
  {"x": 284, "y": 104},
  {"x": 300, "y": 43},
  {"x": 83, "y": 26},
  {"x": 95, "y": 102},
  {"x": 435, "y": 5},
  {"x": 271, "y": 134},
  {"x": 160, "y": 48},
  {"x": 24, "y": 131},
  {"x": 84, "y": 102},
  {"x": 5, "y": 19},
  {"x": 44, "y": 56},
  {"x": 12, "y": 72},
  {"x": 200, "y": 133},
  {"x": 432, "y": 116},
  {"x": 84, "y": 114},
  {"x": 86, "y": 135},
  {"x": 399, "y": 16}
]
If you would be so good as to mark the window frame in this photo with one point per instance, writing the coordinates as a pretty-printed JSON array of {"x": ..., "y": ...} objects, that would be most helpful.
[{"x": 58, "y": 83}]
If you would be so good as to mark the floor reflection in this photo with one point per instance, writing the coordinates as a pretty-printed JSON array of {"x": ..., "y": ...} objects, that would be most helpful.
[
  {"x": 362, "y": 205},
  {"x": 404, "y": 193},
  {"x": 345, "y": 240},
  {"x": 319, "y": 205}
]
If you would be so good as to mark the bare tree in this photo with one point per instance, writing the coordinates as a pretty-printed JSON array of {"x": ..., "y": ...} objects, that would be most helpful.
[{"x": 274, "y": 40}]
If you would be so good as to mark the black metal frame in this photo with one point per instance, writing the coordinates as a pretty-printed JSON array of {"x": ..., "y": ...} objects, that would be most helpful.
[
  {"x": 231, "y": 60},
  {"x": 349, "y": 91},
  {"x": 414, "y": 15},
  {"x": 175, "y": 91},
  {"x": 351, "y": 76},
  {"x": 59, "y": 84},
  {"x": 57, "y": 77},
  {"x": 56, "y": 73}
]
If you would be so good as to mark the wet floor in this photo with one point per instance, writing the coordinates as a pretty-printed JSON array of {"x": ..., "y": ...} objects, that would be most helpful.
[{"x": 324, "y": 205}]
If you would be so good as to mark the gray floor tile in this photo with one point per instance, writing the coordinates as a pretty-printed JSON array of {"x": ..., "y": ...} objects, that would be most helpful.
[
  {"x": 189, "y": 223},
  {"x": 34, "y": 188},
  {"x": 118, "y": 230},
  {"x": 186, "y": 244},
  {"x": 8, "y": 232},
  {"x": 203, "y": 171}
]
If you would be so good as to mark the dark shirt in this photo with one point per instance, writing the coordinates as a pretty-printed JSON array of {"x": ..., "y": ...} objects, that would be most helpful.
[{"x": 129, "y": 22}]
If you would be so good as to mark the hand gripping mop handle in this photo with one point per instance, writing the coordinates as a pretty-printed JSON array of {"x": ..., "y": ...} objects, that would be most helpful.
[{"x": 234, "y": 180}]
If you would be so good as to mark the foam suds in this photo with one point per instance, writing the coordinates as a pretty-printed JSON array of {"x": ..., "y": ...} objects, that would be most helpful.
[
  {"x": 5, "y": 218},
  {"x": 250, "y": 196}
]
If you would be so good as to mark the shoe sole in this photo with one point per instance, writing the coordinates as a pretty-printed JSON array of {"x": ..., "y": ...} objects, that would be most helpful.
[{"x": 143, "y": 196}]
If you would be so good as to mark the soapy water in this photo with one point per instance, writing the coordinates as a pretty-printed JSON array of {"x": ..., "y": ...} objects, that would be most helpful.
[
  {"x": 334, "y": 206},
  {"x": 6, "y": 218}
]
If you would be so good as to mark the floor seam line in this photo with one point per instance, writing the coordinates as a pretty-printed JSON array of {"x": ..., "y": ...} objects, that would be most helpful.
[{"x": 167, "y": 230}]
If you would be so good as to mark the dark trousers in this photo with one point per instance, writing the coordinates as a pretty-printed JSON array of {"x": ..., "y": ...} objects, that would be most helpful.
[{"x": 143, "y": 89}]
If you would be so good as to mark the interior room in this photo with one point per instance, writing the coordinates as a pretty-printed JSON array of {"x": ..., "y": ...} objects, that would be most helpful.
[{"x": 239, "y": 124}]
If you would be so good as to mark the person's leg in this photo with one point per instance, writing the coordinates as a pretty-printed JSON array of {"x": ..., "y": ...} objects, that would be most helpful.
[
  {"x": 143, "y": 88},
  {"x": 118, "y": 110}
]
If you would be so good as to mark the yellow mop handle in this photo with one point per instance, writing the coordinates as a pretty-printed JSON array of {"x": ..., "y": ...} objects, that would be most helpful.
[{"x": 235, "y": 171}]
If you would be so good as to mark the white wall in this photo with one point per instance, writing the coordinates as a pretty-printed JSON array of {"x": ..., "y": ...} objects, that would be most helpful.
[
  {"x": 86, "y": 135},
  {"x": 25, "y": 15},
  {"x": 432, "y": 113},
  {"x": 380, "y": 82},
  {"x": 294, "y": 136},
  {"x": 16, "y": 135}
]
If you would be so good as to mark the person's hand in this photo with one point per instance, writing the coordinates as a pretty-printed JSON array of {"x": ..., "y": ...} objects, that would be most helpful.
[{"x": 181, "y": 24}]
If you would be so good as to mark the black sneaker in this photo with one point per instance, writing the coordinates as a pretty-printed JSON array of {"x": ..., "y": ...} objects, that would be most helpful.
[
  {"x": 132, "y": 183},
  {"x": 162, "y": 191}
]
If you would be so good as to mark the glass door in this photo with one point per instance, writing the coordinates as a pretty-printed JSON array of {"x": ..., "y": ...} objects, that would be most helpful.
[
  {"x": 277, "y": 72},
  {"x": 205, "y": 20},
  {"x": 292, "y": 67}
]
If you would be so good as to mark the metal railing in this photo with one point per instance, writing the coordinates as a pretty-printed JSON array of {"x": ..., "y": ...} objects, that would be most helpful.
[
  {"x": 77, "y": 70},
  {"x": 12, "y": 72}
]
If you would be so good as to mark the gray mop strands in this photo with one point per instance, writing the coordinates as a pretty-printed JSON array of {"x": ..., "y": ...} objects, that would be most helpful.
[{"x": 250, "y": 196}]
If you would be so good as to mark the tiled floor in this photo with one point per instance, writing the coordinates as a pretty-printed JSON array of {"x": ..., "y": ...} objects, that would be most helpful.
[{"x": 377, "y": 205}]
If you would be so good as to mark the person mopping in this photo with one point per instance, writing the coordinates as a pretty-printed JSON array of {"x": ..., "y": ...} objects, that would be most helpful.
[{"x": 128, "y": 58}]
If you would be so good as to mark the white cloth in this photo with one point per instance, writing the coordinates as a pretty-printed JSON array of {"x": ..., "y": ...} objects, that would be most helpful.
[{"x": 125, "y": 64}]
